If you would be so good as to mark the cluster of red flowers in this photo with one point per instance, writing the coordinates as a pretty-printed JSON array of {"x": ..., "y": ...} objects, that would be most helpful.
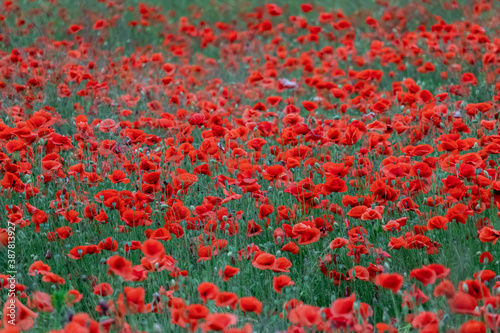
[{"x": 359, "y": 155}]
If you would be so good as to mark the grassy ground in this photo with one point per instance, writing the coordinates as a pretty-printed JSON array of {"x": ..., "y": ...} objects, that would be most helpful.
[{"x": 177, "y": 97}]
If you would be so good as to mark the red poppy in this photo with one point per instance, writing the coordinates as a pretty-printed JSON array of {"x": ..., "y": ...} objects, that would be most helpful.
[
  {"x": 265, "y": 210},
  {"x": 445, "y": 288},
  {"x": 280, "y": 282},
  {"x": 197, "y": 311},
  {"x": 228, "y": 272},
  {"x": 24, "y": 318},
  {"x": 103, "y": 289},
  {"x": 437, "y": 222},
  {"x": 485, "y": 257},
  {"x": 250, "y": 304},
  {"x": 425, "y": 275},
  {"x": 263, "y": 260},
  {"x": 219, "y": 321},
  {"x": 306, "y": 315},
  {"x": 463, "y": 303},
  {"x": 393, "y": 281},
  {"x": 225, "y": 298},
  {"x": 207, "y": 291}
]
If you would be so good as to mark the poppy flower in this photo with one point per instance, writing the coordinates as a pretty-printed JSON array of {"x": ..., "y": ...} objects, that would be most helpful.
[
  {"x": 40, "y": 301},
  {"x": 73, "y": 296},
  {"x": 72, "y": 216},
  {"x": 219, "y": 321},
  {"x": 39, "y": 217},
  {"x": 338, "y": 243},
  {"x": 445, "y": 288},
  {"x": 306, "y": 8},
  {"x": 290, "y": 247},
  {"x": 118, "y": 176},
  {"x": 64, "y": 232},
  {"x": 425, "y": 275},
  {"x": 371, "y": 214},
  {"x": 108, "y": 244},
  {"x": 393, "y": 281},
  {"x": 53, "y": 278},
  {"x": 485, "y": 257},
  {"x": 281, "y": 265},
  {"x": 437, "y": 222},
  {"x": 250, "y": 304},
  {"x": 280, "y": 282},
  {"x": 38, "y": 267},
  {"x": 228, "y": 272},
  {"x": 463, "y": 303},
  {"x": 274, "y": 172},
  {"x": 253, "y": 229},
  {"x": 160, "y": 234},
  {"x": 263, "y": 260},
  {"x": 474, "y": 288},
  {"x": 485, "y": 275},
  {"x": 306, "y": 315},
  {"x": 360, "y": 273},
  {"x": 134, "y": 300},
  {"x": 472, "y": 326},
  {"x": 488, "y": 234},
  {"x": 119, "y": 266},
  {"x": 197, "y": 311},
  {"x": 334, "y": 185},
  {"x": 342, "y": 310},
  {"x": 24, "y": 318},
  {"x": 103, "y": 289},
  {"x": 309, "y": 106},
  {"x": 207, "y": 291},
  {"x": 265, "y": 210},
  {"x": 225, "y": 298}
]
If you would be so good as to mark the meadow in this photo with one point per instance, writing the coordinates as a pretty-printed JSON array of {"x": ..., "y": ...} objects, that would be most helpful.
[{"x": 246, "y": 166}]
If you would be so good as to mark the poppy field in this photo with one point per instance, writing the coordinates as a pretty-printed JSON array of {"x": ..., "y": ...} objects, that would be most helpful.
[{"x": 242, "y": 166}]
